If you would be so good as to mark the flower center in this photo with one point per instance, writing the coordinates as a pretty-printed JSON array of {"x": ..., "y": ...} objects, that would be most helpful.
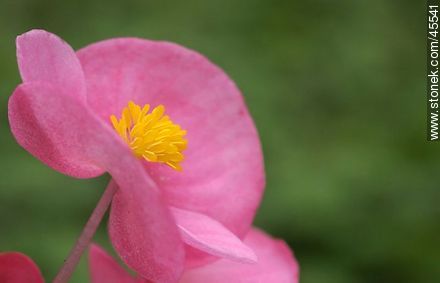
[{"x": 151, "y": 136}]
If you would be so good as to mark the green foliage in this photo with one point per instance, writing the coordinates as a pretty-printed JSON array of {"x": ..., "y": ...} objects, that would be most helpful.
[{"x": 337, "y": 91}]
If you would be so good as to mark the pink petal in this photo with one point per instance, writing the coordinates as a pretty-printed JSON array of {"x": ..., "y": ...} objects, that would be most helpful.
[
  {"x": 132, "y": 222},
  {"x": 208, "y": 235},
  {"x": 44, "y": 57},
  {"x": 275, "y": 264},
  {"x": 223, "y": 175},
  {"x": 104, "y": 269},
  {"x": 36, "y": 126},
  {"x": 18, "y": 268},
  {"x": 77, "y": 134}
]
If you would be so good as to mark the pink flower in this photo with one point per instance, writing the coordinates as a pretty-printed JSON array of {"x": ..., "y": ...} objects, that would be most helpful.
[
  {"x": 18, "y": 268},
  {"x": 276, "y": 265},
  {"x": 61, "y": 114}
]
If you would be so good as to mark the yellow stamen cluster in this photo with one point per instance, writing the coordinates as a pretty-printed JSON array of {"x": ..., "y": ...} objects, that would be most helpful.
[{"x": 151, "y": 136}]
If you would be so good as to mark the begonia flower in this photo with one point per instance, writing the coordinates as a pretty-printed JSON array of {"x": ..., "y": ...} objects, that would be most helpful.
[
  {"x": 16, "y": 267},
  {"x": 61, "y": 114},
  {"x": 276, "y": 265}
]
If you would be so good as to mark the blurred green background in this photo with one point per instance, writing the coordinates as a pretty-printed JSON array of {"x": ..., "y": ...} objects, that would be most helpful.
[{"x": 337, "y": 90}]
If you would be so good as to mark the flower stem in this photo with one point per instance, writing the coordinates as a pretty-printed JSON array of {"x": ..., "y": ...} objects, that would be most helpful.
[{"x": 86, "y": 236}]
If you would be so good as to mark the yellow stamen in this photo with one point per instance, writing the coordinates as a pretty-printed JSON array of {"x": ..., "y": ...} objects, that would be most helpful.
[{"x": 151, "y": 136}]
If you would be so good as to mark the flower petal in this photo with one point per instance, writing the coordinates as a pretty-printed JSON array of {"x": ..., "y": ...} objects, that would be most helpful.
[
  {"x": 208, "y": 235},
  {"x": 77, "y": 135},
  {"x": 104, "y": 269},
  {"x": 223, "y": 175},
  {"x": 44, "y": 57},
  {"x": 53, "y": 139},
  {"x": 18, "y": 268},
  {"x": 275, "y": 264},
  {"x": 134, "y": 221}
]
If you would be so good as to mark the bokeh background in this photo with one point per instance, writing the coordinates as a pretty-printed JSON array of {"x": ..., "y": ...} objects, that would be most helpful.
[{"x": 337, "y": 90}]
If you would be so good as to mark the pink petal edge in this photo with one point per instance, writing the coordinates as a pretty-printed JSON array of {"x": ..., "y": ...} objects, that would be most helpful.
[
  {"x": 16, "y": 267},
  {"x": 104, "y": 269},
  {"x": 276, "y": 264},
  {"x": 131, "y": 223},
  {"x": 45, "y": 58},
  {"x": 208, "y": 235}
]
